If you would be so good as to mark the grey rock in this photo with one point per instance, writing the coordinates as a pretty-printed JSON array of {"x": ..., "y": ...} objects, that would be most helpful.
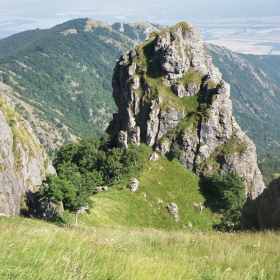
[
  {"x": 189, "y": 143},
  {"x": 180, "y": 47},
  {"x": 22, "y": 173},
  {"x": 131, "y": 69},
  {"x": 185, "y": 91},
  {"x": 101, "y": 189},
  {"x": 163, "y": 148},
  {"x": 98, "y": 189},
  {"x": 169, "y": 120},
  {"x": 216, "y": 127},
  {"x": 199, "y": 207},
  {"x": 134, "y": 135},
  {"x": 83, "y": 210},
  {"x": 173, "y": 210},
  {"x": 122, "y": 139},
  {"x": 154, "y": 157},
  {"x": 43, "y": 209},
  {"x": 133, "y": 185}
]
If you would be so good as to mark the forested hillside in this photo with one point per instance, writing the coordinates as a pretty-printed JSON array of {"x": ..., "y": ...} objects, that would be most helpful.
[{"x": 61, "y": 78}]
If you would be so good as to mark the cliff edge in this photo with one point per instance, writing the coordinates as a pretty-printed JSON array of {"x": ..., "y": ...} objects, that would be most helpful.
[{"x": 23, "y": 162}]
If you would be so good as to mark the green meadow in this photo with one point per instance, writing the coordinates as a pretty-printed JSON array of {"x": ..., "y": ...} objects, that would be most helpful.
[{"x": 34, "y": 249}]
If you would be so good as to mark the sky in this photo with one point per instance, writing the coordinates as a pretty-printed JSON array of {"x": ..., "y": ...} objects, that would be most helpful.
[{"x": 20, "y": 15}]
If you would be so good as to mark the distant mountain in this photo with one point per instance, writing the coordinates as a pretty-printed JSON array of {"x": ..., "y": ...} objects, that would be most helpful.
[
  {"x": 255, "y": 91},
  {"x": 60, "y": 78}
]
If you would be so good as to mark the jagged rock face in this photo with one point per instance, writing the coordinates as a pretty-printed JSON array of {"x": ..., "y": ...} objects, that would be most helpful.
[
  {"x": 181, "y": 47},
  {"x": 169, "y": 91},
  {"x": 23, "y": 164},
  {"x": 175, "y": 52},
  {"x": 269, "y": 206}
]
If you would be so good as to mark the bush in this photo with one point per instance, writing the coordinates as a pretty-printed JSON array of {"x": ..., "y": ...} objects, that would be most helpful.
[
  {"x": 174, "y": 153},
  {"x": 226, "y": 195}
]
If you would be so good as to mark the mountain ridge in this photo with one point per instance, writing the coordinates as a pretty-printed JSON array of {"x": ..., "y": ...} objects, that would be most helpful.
[{"x": 63, "y": 74}]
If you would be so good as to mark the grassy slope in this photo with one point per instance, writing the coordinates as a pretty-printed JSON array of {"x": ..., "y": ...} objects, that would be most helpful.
[
  {"x": 32, "y": 249},
  {"x": 173, "y": 183}
]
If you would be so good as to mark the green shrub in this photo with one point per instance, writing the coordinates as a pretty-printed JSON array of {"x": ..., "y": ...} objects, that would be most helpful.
[
  {"x": 225, "y": 194},
  {"x": 174, "y": 153}
]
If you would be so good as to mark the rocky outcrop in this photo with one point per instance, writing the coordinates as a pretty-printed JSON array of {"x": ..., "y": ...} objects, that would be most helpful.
[
  {"x": 133, "y": 185},
  {"x": 23, "y": 162},
  {"x": 173, "y": 210},
  {"x": 154, "y": 157},
  {"x": 269, "y": 206},
  {"x": 168, "y": 90}
]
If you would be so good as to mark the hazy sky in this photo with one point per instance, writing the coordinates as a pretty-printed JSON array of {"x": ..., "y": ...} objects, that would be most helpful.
[{"x": 19, "y": 15}]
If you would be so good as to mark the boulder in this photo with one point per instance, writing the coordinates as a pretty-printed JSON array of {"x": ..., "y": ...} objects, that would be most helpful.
[
  {"x": 173, "y": 210},
  {"x": 154, "y": 157},
  {"x": 133, "y": 185}
]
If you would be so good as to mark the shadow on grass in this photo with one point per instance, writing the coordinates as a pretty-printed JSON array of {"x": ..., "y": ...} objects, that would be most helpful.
[
  {"x": 32, "y": 207},
  {"x": 211, "y": 200},
  {"x": 248, "y": 219}
]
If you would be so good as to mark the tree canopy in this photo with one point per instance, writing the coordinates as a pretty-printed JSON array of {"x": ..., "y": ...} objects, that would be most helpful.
[{"x": 83, "y": 166}]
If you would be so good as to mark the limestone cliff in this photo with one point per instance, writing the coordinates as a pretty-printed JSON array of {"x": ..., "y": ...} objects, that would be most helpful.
[
  {"x": 169, "y": 95},
  {"x": 23, "y": 163}
]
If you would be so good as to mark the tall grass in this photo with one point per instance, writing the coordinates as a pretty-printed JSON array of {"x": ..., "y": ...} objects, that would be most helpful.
[{"x": 32, "y": 249}]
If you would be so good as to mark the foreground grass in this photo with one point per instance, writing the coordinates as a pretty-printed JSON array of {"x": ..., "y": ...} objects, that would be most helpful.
[{"x": 32, "y": 249}]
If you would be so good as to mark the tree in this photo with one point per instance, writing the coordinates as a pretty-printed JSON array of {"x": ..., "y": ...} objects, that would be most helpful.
[
  {"x": 131, "y": 155},
  {"x": 225, "y": 194},
  {"x": 72, "y": 189},
  {"x": 51, "y": 189},
  {"x": 113, "y": 165},
  {"x": 105, "y": 141},
  {"x": 67, "y": 153}
]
